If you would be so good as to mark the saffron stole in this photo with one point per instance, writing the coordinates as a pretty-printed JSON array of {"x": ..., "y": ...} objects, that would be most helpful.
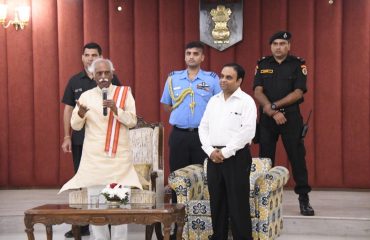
[{"x": 111, "y": 141}]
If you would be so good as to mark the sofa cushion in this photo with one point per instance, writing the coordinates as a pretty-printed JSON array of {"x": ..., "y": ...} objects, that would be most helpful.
[
  {"x": 142, "y": 145},
  {"x": 199, "y": 207},
  {"x": 200, "y": 227}
]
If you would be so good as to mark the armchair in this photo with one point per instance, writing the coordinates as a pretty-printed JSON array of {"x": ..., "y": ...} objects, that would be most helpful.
[
  {"x": 147, "y": 149},
  {"x": 266, "y": 190}
]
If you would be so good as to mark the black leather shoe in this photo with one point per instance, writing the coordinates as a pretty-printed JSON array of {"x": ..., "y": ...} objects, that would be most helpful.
[
  {"x": 84, "y": 232},
  {"x": 69, "y": 234},
  {"x": 306, "y": 209}
]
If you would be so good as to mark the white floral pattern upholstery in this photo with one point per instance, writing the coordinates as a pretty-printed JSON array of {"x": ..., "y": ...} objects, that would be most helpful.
[
  {"x": 147, "y": 150},
  {"x": 266, "y": 184}
]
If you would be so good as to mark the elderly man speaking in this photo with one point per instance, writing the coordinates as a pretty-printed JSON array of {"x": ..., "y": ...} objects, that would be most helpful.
[{"x": 106, "y": 156}]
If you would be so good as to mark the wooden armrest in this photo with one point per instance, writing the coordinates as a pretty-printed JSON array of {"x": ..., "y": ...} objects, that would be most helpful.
[{"x": 153, "y": 178}]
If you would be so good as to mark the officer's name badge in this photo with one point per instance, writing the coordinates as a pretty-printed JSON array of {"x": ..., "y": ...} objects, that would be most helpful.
[
  {"x": 177, "y": 88},
  {"x": 267, "y": 71},
  {"x": 203, "y": 86}
]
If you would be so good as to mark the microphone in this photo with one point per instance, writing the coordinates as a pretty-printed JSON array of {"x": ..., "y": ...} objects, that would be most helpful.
[{"x": 105, "y": 94}]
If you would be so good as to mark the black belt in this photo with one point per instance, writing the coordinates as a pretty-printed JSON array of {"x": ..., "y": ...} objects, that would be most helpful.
[
  {"x": 186, "y": 129},
  {"x": 292, "y": 108},
  {"x": 220, "y": 147}
]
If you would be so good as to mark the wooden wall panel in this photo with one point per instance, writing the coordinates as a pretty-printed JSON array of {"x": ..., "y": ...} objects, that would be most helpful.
[
  {"x": 171, "y": 51},
  {"x": 95, "y": 24},
  {"x": 191, "y": 21},
  {"x": 249, "y": 49},
  {"x": 301, "y": 13},
  {"x": 70, "y": 43},
  {"x": 271, "y": 22},
  {"x": 21, "y": 106},
  {"x": 328, "y": 94},
  {"x": 218, "y": 59},
  {"x": 148, "y": 91},
  {"x": 45, "y": 92},
  {"x": 355, "y": 94},
  {"x": 121, "y": 41},
  {"x": 4, "y": 123}
]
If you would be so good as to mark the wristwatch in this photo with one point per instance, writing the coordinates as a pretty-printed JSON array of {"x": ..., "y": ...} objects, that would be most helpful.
[{"x": 273, "y": 106}]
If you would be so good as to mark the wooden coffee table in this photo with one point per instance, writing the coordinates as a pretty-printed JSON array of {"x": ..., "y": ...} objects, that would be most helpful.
[{"x": 83, "y": 214}]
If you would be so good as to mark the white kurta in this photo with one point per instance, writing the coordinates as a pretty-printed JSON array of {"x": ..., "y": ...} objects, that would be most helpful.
[{"x": 96, "y": 167}]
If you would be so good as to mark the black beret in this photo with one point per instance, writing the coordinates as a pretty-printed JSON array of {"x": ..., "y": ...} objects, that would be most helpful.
[{"x": 280, "y": 35}]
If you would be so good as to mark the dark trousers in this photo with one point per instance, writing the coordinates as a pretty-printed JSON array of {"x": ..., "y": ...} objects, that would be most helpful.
[
  {"x": 185, "y": 149},
  {"x": 294, "y": 146},
  {"x": 76, "y": 155},
  {"x": 228, "y": 185}
]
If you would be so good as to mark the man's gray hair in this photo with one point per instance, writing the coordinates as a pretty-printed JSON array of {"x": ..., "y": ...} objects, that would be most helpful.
[{"x": 98, "y": 60}]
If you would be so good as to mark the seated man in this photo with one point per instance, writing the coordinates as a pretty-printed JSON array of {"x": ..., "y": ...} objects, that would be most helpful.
[{"x": 106, "y": 156}]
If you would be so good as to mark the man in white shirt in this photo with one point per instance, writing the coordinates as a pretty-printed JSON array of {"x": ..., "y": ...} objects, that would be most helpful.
[{"x": 226, "y": 130}]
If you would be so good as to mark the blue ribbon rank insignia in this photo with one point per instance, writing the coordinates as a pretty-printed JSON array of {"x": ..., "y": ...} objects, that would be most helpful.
[{"x": 203, "y": 85}]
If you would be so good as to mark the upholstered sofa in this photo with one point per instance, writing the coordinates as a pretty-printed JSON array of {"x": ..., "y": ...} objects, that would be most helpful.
[{"x": 266, "y": 184}]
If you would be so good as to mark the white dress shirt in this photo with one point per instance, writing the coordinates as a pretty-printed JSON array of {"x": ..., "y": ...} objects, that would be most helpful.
[{"x": 230, "y": 123}]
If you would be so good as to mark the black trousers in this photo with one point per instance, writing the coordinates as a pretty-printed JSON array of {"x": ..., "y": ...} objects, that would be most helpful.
[
  {"x": 228, "y": 185},
  {"x": 76, "y": 155},
  {"x": 185, "y": 149},
  {"x": 294, "y": 146}
]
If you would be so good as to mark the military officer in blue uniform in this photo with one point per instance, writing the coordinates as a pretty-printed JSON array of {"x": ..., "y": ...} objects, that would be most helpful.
[
  {"x": 185, "y": 96},
  {"x": 279, "y": 85}
]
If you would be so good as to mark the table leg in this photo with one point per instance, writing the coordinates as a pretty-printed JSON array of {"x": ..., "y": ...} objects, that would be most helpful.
[
  {"x": 29, "y": 227},
  {"x": 76, "y": 232},
  {"x": 166, "y": 231},
  {"x": 180, "y": 226},
  {"x": 49, "y": 232}
]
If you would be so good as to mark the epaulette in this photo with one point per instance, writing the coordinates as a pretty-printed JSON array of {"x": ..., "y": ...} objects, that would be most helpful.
[
  {"x": 174, "y": 72},
  {"x": 299, "y": 59},
  {"x": 263, "y": 59},
  {"x": 213, "y": 74}
]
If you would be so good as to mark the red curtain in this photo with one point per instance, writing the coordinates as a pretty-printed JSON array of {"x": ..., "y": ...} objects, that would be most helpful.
[{"x": 146, "y": 41}]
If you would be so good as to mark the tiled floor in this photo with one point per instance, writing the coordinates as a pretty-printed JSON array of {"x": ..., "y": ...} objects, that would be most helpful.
[{"x": 339, "y": 215}]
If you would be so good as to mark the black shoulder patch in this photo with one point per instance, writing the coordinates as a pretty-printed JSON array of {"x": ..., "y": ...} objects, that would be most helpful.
[
  {"x": 301, "y": 60},
  {"x": 263, "y": 59}
]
